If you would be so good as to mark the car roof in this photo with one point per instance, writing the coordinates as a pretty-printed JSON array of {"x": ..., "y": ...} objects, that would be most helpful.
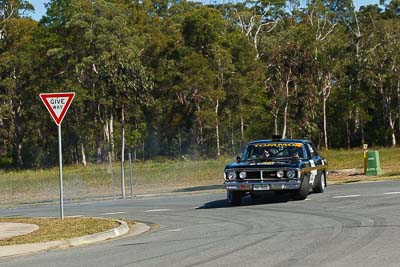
[{"x": 279, "y": 141}]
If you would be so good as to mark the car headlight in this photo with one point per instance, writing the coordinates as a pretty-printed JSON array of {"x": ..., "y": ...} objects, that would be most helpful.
[
  {"x": 242, "y": 175},
  {"x": 231, "y": 175},
  {"x": 291, "y": 174},
  {"x": 279, "y": 174}
]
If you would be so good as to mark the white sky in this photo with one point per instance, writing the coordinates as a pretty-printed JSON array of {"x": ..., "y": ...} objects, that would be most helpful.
[{"x": 40, "y": 10}]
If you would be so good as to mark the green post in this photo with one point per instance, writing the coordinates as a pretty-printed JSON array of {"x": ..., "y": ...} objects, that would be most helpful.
[{"x": 373, "y": 163}]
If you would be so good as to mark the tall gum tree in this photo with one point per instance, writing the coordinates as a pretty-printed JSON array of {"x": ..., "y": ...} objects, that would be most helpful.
[
  {"x": 322, "y": 23},
  {"x": 15, "y": 37},
  {"x": 108, "y": 55},
  {"x": 382, "y": 71},
  {"x": 202, "y": 30}
]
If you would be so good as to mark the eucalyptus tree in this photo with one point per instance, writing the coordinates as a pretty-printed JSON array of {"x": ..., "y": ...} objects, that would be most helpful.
[
  {"x": 322, "y": 25},
  {"x": 356, "y": 28},
  {"x": 201, "y": 30},
  {"x": 244, "y": 100},
  {"x": 258, "y": 22},
  {"x": 382, "y": 68},
  {"x": 169, "y": 120},
  {"x": 102, "y": 51},
  {"x": 289, "y": 87},
  {"x": 256, "y": 18},
  {"x": 15, "y": 73},
  {"x": 11, "y": 9}
]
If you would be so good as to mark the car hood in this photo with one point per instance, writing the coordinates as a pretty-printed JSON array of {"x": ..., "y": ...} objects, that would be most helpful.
[{"x": 257, "y": 164}]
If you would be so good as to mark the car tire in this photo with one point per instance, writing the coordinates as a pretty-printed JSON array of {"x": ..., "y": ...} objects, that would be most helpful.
[
  {"x": 234, "y": 197},
  {"x": 321, "y": 184},
  {"x": 302, "y": 193}
]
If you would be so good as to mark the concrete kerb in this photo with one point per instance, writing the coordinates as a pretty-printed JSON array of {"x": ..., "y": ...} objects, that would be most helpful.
[
  {"x": 83, "y": 240},
  {"x": 14, "y": 250}
]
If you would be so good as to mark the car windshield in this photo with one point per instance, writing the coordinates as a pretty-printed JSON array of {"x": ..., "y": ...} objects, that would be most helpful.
[{"x": 273, "y": 150}]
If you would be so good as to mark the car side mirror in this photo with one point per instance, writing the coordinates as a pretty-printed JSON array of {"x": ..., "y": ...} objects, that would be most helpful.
[{"x": 238, "y": 159}]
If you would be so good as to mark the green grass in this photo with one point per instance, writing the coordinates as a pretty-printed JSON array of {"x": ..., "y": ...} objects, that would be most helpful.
[
  {"x": 353, "y": 158},
  {"x": 154, "y": 177},
  {"x": 52, "y": 229}
]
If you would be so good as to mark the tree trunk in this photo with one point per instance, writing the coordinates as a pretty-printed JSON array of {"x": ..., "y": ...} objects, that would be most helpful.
[
  {"x": 180, "y": 145},
  {"x": 217, "y": 129},
  {"x": 111, "y": 131},
  {"x": 19, "y": 155},
  {"x": 123, "y": 152},
  {"x": 143, "y": 157},
  {"x": 242, "y": 127},
  {"x": 18, "y": 133},
  {"x": 200, "y": 138},
  {"x": 285, "y": 119},
  {"x": 325, "y": 130},
  {"x": 362, "y": 132},
  {"x": 398, "y": 102},
  {"x": 275, "y": 123},
  {"x": 393, "y": 130},
  {"x": 232, "y": 135},
  {"x": 387, "y": 111},
  {"x": 97, "y": 118},
  {"x": 285, "y": 110},
  {"x": 348, "y": 134},
  {"x": 123, "y": 134},
  {"x": 106, "y": 130},
  {"x": 326, "y": 91},
  {"x": 83, "y": 155}
]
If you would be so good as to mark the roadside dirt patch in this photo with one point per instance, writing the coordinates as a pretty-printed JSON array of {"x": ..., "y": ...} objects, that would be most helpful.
[{"x": 354, "y": 175}]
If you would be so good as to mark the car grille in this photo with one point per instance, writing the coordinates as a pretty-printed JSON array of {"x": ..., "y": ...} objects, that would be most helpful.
[{"x": 256, "y": 175}]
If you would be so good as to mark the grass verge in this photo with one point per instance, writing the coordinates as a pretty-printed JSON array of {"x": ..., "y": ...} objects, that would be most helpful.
[
  {"x": 52, "y": 229},
  {"x": 163, "y": 176}
]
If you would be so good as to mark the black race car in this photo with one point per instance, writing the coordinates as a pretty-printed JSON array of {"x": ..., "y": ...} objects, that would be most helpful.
[{"x": 282, "y": 165}]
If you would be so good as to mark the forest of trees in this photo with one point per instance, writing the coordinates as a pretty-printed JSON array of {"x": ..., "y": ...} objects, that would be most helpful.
[{"x": 164, "y": 78}]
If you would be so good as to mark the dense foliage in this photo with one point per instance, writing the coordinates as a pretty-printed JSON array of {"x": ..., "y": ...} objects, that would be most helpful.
[{"x": 176, "y": 78}]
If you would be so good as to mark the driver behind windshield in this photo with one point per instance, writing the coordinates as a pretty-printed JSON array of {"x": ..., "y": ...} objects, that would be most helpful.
[
  {"x": 272, "y": 151},
  {"x": 265, "y": 153},
  {"x": 258, "y": 153}
]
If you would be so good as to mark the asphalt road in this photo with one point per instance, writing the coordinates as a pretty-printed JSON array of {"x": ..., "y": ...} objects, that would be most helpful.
[{"x": 349, "y": 225}]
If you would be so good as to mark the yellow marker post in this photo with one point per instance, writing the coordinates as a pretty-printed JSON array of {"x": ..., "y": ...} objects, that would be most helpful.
[{"x": 365, "y": 146}]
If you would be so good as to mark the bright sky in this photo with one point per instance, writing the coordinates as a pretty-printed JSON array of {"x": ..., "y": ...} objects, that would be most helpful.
[{"x": 40, "y": 10}]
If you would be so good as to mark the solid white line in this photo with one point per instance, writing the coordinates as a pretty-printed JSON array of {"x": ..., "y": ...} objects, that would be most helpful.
[
  {"x": 74, "y": 216},
  {"x": 156, "y": 210},
  {"x": 392, "y": 193},
  {"x": 113, "y": 213},
  {"x": 174, "y": 230},
  {"x": 347, "y": 196}
]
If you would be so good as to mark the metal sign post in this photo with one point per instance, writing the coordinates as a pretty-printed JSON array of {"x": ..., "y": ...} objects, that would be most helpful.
[
  {"x": 365, "y": 147},
  {"x": 60, "y": 174},
  {"x": 130, "y": 174},
  {"x": 57, "y": 104}
]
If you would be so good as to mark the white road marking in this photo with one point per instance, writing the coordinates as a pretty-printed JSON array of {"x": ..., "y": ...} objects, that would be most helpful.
[
  {"x": 157, "y": 210},
  {"x": 174, "y": 230},
  {"x": 392, "y": 193},
  {"x": 74, "y": 216},
  {"x": 348, "y": 196},
  {"x": 113, "y": 213}
]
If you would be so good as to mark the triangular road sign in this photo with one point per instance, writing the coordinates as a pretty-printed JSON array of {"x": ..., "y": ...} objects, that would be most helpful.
[{"x": 57, "y": 104}]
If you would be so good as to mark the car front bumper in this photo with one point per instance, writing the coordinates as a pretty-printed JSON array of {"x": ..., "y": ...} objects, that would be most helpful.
[{"x": 262, "y": 186}]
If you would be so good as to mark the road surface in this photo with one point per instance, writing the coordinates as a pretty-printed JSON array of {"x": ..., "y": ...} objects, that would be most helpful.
[{"x": 348, "y": 225}]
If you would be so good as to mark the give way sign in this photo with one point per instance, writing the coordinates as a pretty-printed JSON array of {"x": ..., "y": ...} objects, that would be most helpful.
[{"x": 57, "y": 104}]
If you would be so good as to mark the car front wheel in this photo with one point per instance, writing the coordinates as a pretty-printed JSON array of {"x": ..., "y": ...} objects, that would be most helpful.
[
  {"x": 302, "y": 193},
  {"x": 321, "y": 184}
]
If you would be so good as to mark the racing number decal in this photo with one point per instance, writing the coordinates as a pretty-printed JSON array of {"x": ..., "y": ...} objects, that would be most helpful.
[{"x": 313, "y": 172}]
